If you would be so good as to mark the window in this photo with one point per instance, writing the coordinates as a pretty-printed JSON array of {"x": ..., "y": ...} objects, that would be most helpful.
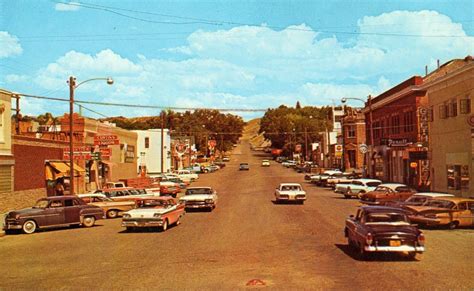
[
  {"x": 443, "y": 112},
  {"x": 351, "y": 131},
  {"x": 395, "y": 124},
  {"x": 465, "y": 106},
  {"x": 430, "y": 114},
  {"x": 458, "y": 177},
  {"x": 68, "y": 203},
  {"x": 452, "y": 108},
  {"x": 376, "y": 129},
  {"x": 147, "y": 142},
  {"x": 408, "y": 121}
]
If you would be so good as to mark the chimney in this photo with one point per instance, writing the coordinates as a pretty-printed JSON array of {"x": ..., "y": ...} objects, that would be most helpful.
[
  {"x": 426, "y": 70},
  {"x": 438, "y": 63}
]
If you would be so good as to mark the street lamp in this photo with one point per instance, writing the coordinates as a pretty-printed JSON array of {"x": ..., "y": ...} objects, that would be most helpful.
[
  {"x": 369, "y": 103},
  {"x": 72, "y": 87}
]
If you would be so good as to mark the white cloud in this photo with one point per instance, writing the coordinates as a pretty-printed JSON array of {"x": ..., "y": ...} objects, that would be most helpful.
[
  {"x": 13, "y": 78},
  {"x": 10, "y": 46},
  {"x": 71, "y": 6}
]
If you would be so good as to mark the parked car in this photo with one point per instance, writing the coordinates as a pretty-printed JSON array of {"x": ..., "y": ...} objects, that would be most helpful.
[
  {"x": 265, "y": 163},
  {"x": 127, "y": 193},
  {"x": 187, "y": 175},
  {"x": 200, "y": 197},
  {"x": 111, "y": 208},
  {"x": 316, "y": 179},
  {"x": 383, "y": 229},
  {"x": 51, "y": 212},
  {"x": 289, "y": 163},
  {"x": 357, "y": 187},
  {"x": 417, "y": 199},
  {"x": 387, "y": 192},
  {"x": 244, "y": 167},
  {"x": 225, "y": 159},
  {"x": 444, "y": 211},
  {"x": 290, "y": 192},
  {"x": 340, "y": 178},
  {"x": 158, "y": 212}
]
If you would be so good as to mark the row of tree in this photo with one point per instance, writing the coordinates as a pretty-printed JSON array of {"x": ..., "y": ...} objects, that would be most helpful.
[{"x": 286, "y": 126}]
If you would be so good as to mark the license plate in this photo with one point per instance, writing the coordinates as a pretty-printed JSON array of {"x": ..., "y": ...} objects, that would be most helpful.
[{"x": 395, "y": 243}]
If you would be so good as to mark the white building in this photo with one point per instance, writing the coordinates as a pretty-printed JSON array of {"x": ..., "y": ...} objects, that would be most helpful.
[{"x": 149, "y": 150}]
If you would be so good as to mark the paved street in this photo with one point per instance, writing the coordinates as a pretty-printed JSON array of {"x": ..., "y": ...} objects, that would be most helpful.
[{"x": 246, "y": 237}]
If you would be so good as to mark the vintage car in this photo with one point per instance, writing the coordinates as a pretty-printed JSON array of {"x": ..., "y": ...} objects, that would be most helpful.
[
  {"x": 383, "y": 229},
  {"x": 111, "y": 208},
  {"x": 387, "y": 192},
  {"x": 244, "y": 167},
  {"x": 226, "y": 159},
  {"x": 265, "y": 163},
  {"x": 200, "y": 197},
  {"x": 187, "y": 175},
  {"x": 316, "y": 179},
  {"x": 52, "y": 212},
  {"x": 159, "y": 212},
  {"x": 340, "y": 178},
  {"x": 444, "y": 211},
  {"x": 290, "y": 192},
  {"x": 289, "y": 163},
  {"x": 127, "y": 193},
  {"x": 357, "y": 187},
  {"x": 417, "y": 199}
]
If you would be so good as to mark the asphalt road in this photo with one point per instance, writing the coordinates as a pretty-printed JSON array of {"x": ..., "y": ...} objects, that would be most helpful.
[{"x": 246, "y": 240}]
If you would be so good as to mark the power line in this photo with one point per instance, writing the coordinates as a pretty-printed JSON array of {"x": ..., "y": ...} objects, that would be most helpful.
[{"x": 219, "y": 22}]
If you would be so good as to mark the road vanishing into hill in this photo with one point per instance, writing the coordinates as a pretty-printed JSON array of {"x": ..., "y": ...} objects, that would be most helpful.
[{"x": 247, "y": 241}]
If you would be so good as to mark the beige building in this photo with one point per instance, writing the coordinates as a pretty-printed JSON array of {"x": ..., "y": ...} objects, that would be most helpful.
[
  {"x": 6, "y": 158},
  {"x": 451, "y": 127}
]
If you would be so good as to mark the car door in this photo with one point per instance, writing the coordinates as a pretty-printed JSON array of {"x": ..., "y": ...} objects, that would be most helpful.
[
  {"x": 72, "y": 211},
  {"x": 54, "y": 213},
  {"x": 470, "y": 207}
]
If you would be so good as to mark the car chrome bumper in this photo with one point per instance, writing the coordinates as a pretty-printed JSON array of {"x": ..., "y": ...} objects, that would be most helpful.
[
  {"x": 144, "y": 223},
  {"x": 291, "y": 198},
  {"x": 418, "y": 249},
  {"x": 8, "y": 226},
  {"x": 199, "y": 205}
]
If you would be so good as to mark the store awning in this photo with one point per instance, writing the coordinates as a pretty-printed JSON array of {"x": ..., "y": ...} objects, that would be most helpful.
[{"x": 55, "y": 170}]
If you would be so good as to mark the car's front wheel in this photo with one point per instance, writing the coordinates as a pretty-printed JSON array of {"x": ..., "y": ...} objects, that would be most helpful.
[
  {"x": 29, "y": 226},
  {"x": 453, "y": 224},
  {"x": 414, "y": 256},
  {"x": 165, "y": 225},
  {"x": 88, "y": 221}
]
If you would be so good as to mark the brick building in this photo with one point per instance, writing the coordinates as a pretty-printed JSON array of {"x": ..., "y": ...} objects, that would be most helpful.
[
  {"x": 353, "y": 125},
  {"x": 397, "y": 120}
]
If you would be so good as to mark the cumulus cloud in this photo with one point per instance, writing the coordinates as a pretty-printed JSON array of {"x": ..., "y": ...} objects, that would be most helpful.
[
  {"x": 71, "y": 6},
  {"x": 259, "y": 67},
  {"x": 13, "y": 78},
  {"x": 10, "y": 45}
]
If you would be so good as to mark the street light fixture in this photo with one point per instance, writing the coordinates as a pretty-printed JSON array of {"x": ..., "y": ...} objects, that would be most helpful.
[
  {"x": 369, "y": 103},
  {"x": 72, "y": 87}
]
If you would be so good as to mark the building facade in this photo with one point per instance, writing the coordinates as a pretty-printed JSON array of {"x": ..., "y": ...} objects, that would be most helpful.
[
  {"x": 451, "y": 127},
  {"x": 149, "y": 151},
  {"x": 7, "y": 161},
  {"x": 353, "y": 132}
]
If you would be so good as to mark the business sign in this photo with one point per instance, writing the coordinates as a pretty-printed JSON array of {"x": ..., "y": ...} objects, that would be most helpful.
[
  {"x": 106, "y": 140},
  {"x": 105, "y": 153},
  {"x": 79, "y": 153},
  {"x": 363, "y": 148},
  {"x": 338, "y": 148}
]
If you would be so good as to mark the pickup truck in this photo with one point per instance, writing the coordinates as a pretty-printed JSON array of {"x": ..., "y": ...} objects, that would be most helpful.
[{"x": 290, "y": 192}]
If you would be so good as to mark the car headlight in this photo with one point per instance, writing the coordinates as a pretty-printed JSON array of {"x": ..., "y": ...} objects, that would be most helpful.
[
  {"x": 157, "y": 215},
  {"x": 126, "y": 215},
  {"x": 208, "y": 201}
]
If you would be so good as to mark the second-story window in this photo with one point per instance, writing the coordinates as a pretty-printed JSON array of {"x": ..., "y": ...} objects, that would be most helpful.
[
  {"x": 443, "y": 112},
  {"x": 396, "y": 124},
  {"x": 351, "y": 131},
  {"x": 453, "y": 108},
  {"x": 465, "y": 105},
  {"x": 408, "y": 120},
  {"x": 147, "y": 142}
]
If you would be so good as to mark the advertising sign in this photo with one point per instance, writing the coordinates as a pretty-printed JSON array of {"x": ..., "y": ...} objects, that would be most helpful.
[{"x": 106, "y": 140}]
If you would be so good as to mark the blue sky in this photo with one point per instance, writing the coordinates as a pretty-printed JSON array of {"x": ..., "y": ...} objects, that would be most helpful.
[{"x": 223, "y": 54}]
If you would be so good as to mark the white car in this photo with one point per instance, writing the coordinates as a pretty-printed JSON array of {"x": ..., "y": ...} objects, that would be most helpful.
[
  {"x": 358, "y": 187},
  {"x": 265, "y": 163},
  {"x": 289, "y": 163},
  {"x": 187, "y": 175},
  {"x": 290, "y": 192},
  {"x": 200, "y": 197},
  {"x": 323, "y": 176}
]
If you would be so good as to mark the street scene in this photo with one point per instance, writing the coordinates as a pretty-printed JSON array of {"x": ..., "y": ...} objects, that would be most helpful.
[{"x": 225, "y": 145}]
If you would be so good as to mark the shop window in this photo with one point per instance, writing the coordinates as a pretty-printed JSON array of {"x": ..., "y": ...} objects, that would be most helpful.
[
  {"x": 465, "y": 106},
  {"x": 465, "y": 177},
  {"x": 458, "y": 177},
  {"x": 147, "y": 142}
]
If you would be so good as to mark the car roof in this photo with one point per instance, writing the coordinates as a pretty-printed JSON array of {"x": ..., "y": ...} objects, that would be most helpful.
[
  {"x": 456, "y": 199},
  {"x": 60, "y": 197},
  {"x": 430, "y": 194},
  {"x": 91, "y": 195},
  {"x": 203, "y": 187},
  {"x": 374, "y": 209},
  {"x": 367, "y": 180},
  {"x": 290, "y": 184},
  {"x": 393, "y": 185}
]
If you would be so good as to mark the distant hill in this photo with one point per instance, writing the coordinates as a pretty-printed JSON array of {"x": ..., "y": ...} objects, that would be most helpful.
[{"x": 251, "y": 133}]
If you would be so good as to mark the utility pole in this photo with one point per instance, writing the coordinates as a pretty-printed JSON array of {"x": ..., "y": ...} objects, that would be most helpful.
[
  {"x": 72, "y": 86},
  {"x": 162, "y": 141},
  {"x": 306, "y": 144},
  {"x": 369, "y": 100},
  {"x": 17, "y": 115}
]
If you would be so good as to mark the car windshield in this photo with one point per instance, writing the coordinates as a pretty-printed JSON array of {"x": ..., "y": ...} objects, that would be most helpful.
[
  {"x": 199, "y": 191},
  {"x": 290, "y": 188},
  {"x": 373, "y": 184},
  {"x": 43, "y": 203},
  {"x": 387, "y": 218},
  {"x": 152, "y": 203},
  {"x": 440, "y": 204}
]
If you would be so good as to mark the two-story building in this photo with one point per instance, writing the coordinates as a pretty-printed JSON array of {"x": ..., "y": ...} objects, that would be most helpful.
[
  {"x": 353, "y": 132},
  {"x": 152, "y": 147}
]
